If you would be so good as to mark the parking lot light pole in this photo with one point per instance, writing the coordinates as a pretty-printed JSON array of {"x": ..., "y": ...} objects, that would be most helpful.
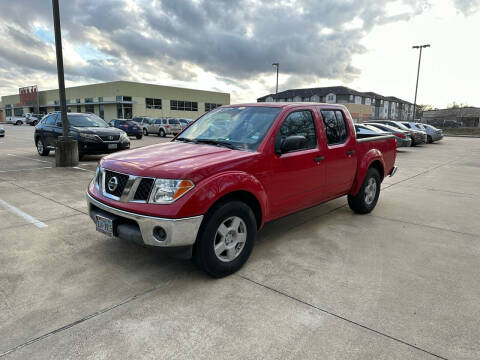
[
  {"x": 277, "y": 65},
  {"x": 418, "y": 74},
  {"x": 66, "y": 148}
]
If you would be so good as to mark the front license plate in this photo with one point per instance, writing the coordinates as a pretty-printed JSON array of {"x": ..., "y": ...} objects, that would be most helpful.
[
  {"x": 112, "y": 146},
  {"x": 104, "y": 225}
]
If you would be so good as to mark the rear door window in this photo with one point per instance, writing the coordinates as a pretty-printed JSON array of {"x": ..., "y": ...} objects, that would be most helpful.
[{"x": 335, "y": 126}]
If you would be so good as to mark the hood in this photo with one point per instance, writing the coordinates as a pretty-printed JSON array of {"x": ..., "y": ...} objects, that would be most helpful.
[
  {"x": 97, "y": 130},
  {"x": 178, "y": 160}
]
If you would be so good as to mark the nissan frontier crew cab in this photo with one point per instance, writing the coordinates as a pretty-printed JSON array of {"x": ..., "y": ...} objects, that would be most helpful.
[{"x": 211, "y": 189}]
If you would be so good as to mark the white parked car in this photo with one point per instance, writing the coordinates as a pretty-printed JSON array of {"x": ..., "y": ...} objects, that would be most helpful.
[{"x": 24, "y": 119}]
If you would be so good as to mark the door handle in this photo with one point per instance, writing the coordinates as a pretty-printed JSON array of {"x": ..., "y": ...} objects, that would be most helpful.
[
  {"x": 350, "y": 152},
  {"x": 319, "y": 158}
]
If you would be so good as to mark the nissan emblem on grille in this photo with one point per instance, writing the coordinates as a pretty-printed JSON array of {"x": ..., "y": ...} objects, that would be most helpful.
[
  {"x": 112, "y": 184},
  {"x": 110, "y": 138}
]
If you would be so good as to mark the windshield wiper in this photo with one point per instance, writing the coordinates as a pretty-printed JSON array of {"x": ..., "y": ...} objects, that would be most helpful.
[
  {"x": 216, "y": 142},
  {"x": 184, "y": 139}
]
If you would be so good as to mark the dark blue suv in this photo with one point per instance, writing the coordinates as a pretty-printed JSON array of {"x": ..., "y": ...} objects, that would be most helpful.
[{"x": 129, "y": 126}]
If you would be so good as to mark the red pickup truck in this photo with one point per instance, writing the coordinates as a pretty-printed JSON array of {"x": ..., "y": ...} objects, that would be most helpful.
[{"x": 209, "y": 190}]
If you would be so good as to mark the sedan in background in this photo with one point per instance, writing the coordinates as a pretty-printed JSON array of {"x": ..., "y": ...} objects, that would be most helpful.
[
  {"x": 93, "y": 134},
  {"x": 184, "y": 122},
  {"x": 364, "y": 131},
  {"x": 402, "y": 136},
  {"x": 433, "y": 134},
  {"x": 129, "y": 126},
  {"x": 418, "y": 137}
]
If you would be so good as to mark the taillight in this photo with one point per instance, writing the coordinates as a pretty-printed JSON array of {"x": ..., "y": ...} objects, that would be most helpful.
[
  {"x": 167, "y": 126},
  {"x": 400, "y": 135}
]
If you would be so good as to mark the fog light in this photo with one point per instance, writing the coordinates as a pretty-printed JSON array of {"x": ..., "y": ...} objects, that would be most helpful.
[{"x": 159, "y": 233}]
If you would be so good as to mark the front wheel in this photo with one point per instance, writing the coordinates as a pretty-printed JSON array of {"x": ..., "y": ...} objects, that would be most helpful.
[
  {"x": 18, "y": 122},
  {"x": 162, "y": 133},
  {"x": 42, "y": 150},
  {"x": 226, "y": 239},
  {"x": 139, "y": 136},
  {"x": 367, "y": 197}
]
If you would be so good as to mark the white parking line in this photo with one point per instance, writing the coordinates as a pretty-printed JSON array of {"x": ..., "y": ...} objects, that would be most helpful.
[
  {"x": 27, "y": 169},
  {"x": 29, "y": 158},
  {"x": 22, "y": 214},
  {"x": 79, "y": 168}
]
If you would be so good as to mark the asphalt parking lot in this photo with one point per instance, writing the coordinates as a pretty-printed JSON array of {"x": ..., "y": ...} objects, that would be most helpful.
[{"x": 399, "y": 283}]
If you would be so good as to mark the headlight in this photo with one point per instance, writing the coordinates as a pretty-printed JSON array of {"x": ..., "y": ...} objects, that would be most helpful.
[
  {"x": 96, "y": 178},
  {"x": 166, "y": 191},
  {"x": 124, "y": 137},
  {"x": 91, "y": 137}
]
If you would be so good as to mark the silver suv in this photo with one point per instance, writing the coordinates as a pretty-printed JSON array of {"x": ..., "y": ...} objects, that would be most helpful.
[{"x": 164, "y": 127}]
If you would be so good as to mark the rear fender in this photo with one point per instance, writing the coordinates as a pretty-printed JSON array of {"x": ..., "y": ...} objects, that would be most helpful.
[
  {"x": 371, "y": 156},
  {"x": 212, "y": 189}
]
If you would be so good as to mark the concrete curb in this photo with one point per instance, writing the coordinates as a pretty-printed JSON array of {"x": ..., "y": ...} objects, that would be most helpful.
[{"x": 465, "y": 136}]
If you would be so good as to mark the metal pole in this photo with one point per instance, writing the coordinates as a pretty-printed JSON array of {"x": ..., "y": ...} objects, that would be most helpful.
[
  {"x": 416, "y": 86},
  {"x": 276, "y": 88},
  {"x": 61, "y": 79},
  {"x": 277, "y": 65},
  {"x": 418, "y": 75}
]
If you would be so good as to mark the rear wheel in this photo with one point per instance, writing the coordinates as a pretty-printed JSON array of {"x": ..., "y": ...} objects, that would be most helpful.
[
  {"x": 429, "y": 139},
  {"x": 225, "y": 239},
  {"x": 19, "y": 122},
  {"x": 34, "y": 122},
  {"x": 42, "y": 150},
  {"x": 367, "y": 197},
  {"x": 145, "y": 132},
  {"x": 139, "y": 136},
  {"x": 162, "y": 133}
]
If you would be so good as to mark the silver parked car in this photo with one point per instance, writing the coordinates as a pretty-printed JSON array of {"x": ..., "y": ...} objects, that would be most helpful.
[
  {"x": 163, "y": 127},
  {"x": 402, "y": 136},
  {"x": 418, "y": 137},
  {"x": 433, "y": 134},
  {"x": 184, "y": 122}
]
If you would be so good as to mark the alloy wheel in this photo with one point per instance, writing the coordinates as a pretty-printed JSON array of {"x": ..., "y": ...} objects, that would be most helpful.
[{"x": 230, "y": 239}]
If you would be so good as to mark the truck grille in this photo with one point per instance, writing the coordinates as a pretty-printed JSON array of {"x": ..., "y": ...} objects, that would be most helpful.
[
  {"x": 143, "y": 190},
  {"x": 112, "y": 188}
]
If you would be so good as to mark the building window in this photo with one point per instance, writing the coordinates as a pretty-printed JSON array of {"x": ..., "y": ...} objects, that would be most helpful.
[
  {"x": 18, "y": 111},
  {"x": 153, "y": 103},
  {"x": 210, "y": 106},
  {"x": 315, "y": 98},
  {"x": 124, "y": 98},
  {"x": 183, "y": 105},
  {"x": 358, "y": 99},
  {"x": 124, "y": 111},
  {"x": 367, "y": 101},
  {"x": 78, "y": 101},
  {"x": 101, "y": 111},
  {"x": 79, "y": 108},
  {"x": 8, "y": 110},
  {"x": 330, "y": 98},
  {"x": 351, "y": 97}
]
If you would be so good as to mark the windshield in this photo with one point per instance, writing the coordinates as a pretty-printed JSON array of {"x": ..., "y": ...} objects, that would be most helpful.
[
  {"x": 242, "y": 127},
  {"x": 86, "y": 120}
]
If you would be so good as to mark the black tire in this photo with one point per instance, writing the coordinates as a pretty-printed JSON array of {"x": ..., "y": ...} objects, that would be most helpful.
[
  {"x": 41, "y": 149},
  {"x": 363, "y": 203},
  {"x": 204, "y": 254},
  {"x": 139, "y": 137},
  {"x": 145, "y": 132},
  {"x": 429, "y": 139},
  {"x": 34, "y": 123},
  {"x": 19, "y": 122},
  {"x": 162, "y": 133}
]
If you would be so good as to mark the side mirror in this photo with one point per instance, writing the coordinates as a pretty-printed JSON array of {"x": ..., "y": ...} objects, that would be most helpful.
[{"x": 291, "y": 143}]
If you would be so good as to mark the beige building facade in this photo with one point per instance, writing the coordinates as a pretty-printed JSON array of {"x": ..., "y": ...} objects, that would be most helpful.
[{"x": 123, "y": 99}]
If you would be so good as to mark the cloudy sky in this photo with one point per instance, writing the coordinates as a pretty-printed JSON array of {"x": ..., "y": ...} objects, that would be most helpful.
[{"x": 229, "y": 45}]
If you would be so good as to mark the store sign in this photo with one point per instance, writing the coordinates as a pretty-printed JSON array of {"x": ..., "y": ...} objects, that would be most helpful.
[{"x": 28, "y": 95}]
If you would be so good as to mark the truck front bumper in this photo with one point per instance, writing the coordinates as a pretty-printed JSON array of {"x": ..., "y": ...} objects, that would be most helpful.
[{"x": 148, "y": 230}]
